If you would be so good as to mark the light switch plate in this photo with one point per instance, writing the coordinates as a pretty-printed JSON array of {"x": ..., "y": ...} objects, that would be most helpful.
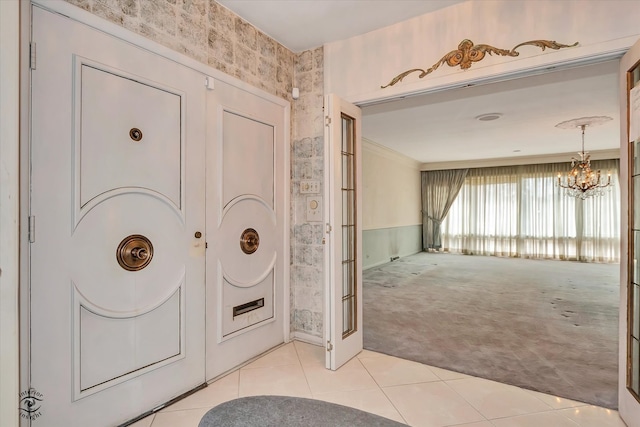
[{"x": 309, "y": 186}]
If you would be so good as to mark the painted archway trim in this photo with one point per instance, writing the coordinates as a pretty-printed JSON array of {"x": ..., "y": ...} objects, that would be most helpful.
[{"x": 468, "y": 53}]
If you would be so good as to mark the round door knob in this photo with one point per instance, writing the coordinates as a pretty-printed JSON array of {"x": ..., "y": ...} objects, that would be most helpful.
[
  {"x": 139, "y": 253},
  {"x": 134, "y": 252},
  {"x": 198, "y": 235},
  {"x": 249, "y": 241}
]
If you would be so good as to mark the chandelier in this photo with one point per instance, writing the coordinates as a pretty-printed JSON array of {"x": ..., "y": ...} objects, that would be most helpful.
[{"x": 582, "y": 182}]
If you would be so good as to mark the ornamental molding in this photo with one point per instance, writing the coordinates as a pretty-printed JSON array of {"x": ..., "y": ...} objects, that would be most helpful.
[{"x": 467, "y": 53}]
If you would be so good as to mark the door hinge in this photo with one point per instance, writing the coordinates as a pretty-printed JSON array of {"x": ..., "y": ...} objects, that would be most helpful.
[
  {"x": 327, "y": 120},
  {"x": 209, "y": 83},
  {"x": 329, "y": 346},
  {"x": 32, "y": 229},
  {"x": 32, "y": 55},
  {"x": 328, "y": 228}
]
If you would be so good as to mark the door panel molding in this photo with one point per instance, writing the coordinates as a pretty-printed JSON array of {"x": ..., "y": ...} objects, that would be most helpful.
[
  {"x": 250, "y": 283},
  {"x": 80, "y": 213},
  {"x": 159, "y": 313}
]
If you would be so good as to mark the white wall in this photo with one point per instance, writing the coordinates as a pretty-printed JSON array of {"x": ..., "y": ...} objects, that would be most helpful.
[
  {"x": 356, "y": 68},
  {"x": 391, "y": 204},
  {"x": 390, "y": 188}
]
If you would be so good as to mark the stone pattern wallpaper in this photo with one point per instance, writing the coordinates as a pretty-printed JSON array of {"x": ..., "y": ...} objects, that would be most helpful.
[
  {"x": 208, "y": 32},
  {"x": 307, "y": 162}
]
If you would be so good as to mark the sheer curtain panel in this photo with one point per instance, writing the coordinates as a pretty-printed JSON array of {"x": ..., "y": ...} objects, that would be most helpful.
[
  {"x": 520, "y": 211},
  {"x": 439, "y": 190}
]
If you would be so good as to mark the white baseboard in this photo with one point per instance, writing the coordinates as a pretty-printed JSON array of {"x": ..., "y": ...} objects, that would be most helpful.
[
  {"x": 377, "y": 264},
  {"x": 308, "y": 338}
]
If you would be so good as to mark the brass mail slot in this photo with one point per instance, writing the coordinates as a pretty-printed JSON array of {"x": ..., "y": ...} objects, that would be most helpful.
[{"x": 247, "y": 307}]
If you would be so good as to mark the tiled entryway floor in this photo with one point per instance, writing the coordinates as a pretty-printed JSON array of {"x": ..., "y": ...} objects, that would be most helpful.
[{"x": 405, "y": 391}]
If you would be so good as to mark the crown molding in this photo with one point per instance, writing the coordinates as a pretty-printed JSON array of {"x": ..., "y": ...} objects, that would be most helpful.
[
  {"x": 381, "y": 150},
  {"x": 515, "y": 161}
]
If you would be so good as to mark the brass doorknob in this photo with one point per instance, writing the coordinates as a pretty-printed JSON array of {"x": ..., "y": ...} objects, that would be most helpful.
[
  {"x": 134, "y": 252},
  {"x": 139, "y": 253},
  {"x": 249, "y": 241}
]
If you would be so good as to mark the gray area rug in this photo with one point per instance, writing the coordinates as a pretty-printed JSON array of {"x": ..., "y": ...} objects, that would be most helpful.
[
  {"x": 267, "y": 411},
  {"x": 549, "y": 326}
]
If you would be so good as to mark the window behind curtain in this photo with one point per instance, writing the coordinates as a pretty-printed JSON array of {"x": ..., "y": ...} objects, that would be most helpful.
[{"x": 520, "y": 211}]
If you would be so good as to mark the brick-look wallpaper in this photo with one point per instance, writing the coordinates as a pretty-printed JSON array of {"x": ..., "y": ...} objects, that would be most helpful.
[
  {"x": 208, "y": 32},
  {"x": 307, "y": 162}
]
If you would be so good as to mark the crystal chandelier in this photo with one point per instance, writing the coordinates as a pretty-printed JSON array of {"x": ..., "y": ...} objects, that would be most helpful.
[{"x": 582, "y": 182}]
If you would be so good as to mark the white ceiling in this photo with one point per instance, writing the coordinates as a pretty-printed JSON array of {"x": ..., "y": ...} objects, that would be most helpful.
[
  {"x": 441, "y": 127},
  {"x": 306, "y": 24}
]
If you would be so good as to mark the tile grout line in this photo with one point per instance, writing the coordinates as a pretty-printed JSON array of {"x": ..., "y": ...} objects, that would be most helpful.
[
  {"x": 304, "y": 372},
  {"x": 550, "y": 410},
  {"x": 463, "y": 398},
  {"x": 385, "y": 394}
]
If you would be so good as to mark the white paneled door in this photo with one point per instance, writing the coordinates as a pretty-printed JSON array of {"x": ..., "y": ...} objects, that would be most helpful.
[
  {"x": 118, "y": 216},
  {"x": 247, "y": 209},
  {"x": 343, "y": 290}
]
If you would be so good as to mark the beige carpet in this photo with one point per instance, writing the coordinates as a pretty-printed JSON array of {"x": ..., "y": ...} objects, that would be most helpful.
[{"x": 550, "y": 326}]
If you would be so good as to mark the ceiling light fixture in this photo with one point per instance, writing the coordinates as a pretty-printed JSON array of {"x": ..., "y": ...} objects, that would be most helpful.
[
  {"x": 581, "y": 182},
  {"x": 489, "y": 117}
]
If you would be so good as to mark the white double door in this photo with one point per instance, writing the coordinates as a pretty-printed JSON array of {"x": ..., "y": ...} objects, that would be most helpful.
[
  {"x": 128, "y": 309},
  {"x": 247, "y": 205}
]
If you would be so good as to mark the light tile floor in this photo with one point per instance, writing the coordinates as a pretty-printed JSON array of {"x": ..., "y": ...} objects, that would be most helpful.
[{"x": 405, "y": 391}]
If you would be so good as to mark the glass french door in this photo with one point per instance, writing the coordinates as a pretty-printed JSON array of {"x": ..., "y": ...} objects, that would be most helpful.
[
  {"x": 343, "y": 311},
  {"x": 629, "y": 383}
]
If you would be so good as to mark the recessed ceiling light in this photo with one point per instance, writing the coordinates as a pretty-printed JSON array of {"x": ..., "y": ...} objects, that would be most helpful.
[{"x": 489, "y": 117}]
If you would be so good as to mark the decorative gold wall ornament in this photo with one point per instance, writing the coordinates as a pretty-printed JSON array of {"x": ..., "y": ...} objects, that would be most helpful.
[{"x": 468, "y": 53}]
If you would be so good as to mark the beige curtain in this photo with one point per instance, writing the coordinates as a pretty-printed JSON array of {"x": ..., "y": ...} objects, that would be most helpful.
[
  {"x": 520, "y": 211},
  {"x": 439, "y": 190}
]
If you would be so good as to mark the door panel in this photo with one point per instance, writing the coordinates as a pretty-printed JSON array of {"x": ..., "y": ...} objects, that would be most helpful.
[
  {"x": 343, "y": 310},
  {"x": 248, "y": 151},
  {"x": 629, "y": 364},
  {"x": 107, "y": 343},
  {"x": 247, "y": 277},
  {"x": 129, "y": 105},
  {"x": 247, "y": 184},
  {"x": 116, "y": 320}
]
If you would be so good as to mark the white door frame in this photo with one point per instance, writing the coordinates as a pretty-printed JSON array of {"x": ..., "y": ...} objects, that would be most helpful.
[
  {"x": 10, "y": 283},
  {"x": 9, "y": 211},
  {"x": 628, "y": 406}
]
